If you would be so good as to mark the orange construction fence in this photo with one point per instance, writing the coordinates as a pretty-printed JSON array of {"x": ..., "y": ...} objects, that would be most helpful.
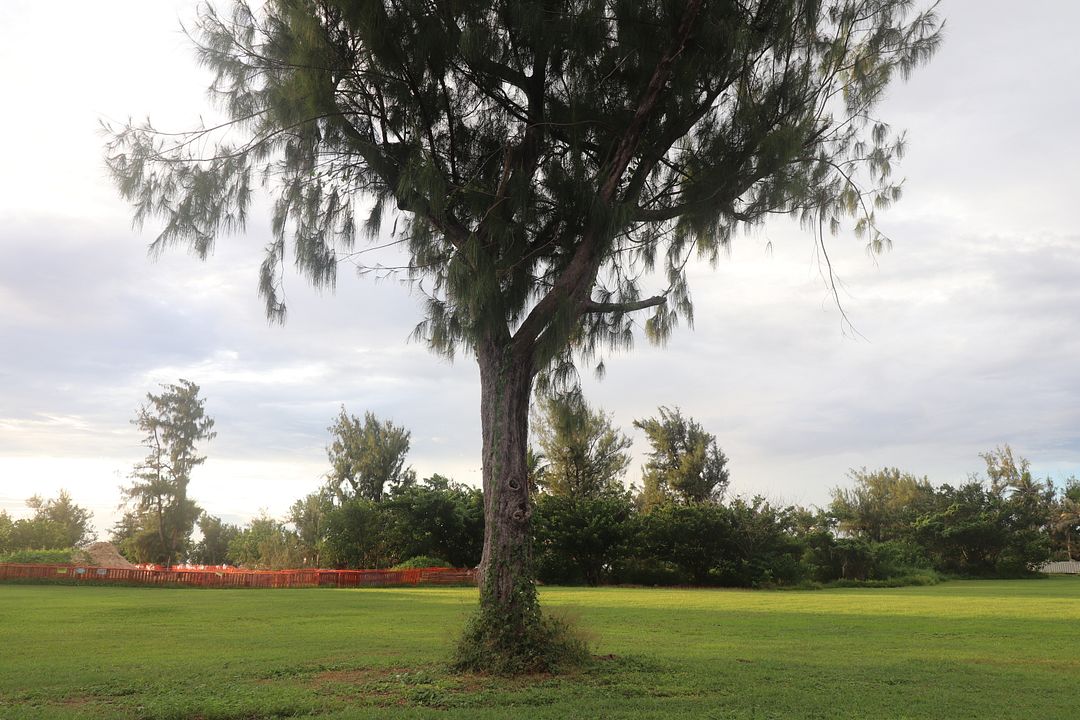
[{"x": 232, "y": 578}]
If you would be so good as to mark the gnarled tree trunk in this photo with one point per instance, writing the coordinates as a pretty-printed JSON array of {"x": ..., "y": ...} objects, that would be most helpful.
[{"x": 507, "y": 591}]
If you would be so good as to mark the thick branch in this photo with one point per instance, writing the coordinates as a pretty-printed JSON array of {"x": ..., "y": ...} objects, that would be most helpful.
[
  {"x": 628, "y": 144},
  {"x": 578, "y": 276},
  {"x": 591, "y": 306}
]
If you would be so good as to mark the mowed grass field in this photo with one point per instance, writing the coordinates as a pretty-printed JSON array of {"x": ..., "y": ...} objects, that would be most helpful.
[{"x": 1008, "y": 649}]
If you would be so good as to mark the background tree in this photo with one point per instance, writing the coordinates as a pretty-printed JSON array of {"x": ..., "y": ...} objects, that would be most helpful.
[
  {"x": 125, "y": 535},
  {"x": 1008, "y": 473},
  {"x": 163, "y": 518},
  {"x": 882, "y": 505},
  {"x": 6, "y": 527},
  {"x": 685, "y": 465},
  {"x": 213, "y": 548},
  {"x": 437, "y": 518},
  {"x": 1066, "y": 518},
  {"x": 265, "y": 544},
  {"x": 357, "y": 536},
  {"x": 367, "y": 458},
  {"x": 584, "y": 455},
  {"x": 547, "y": 155},
  {"x": 310, "y": 517},
  {"x": 581, "y": 538},
  {"x": 57, "y": 523}
]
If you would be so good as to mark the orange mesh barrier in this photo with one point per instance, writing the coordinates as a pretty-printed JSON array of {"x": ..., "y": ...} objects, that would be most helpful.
[{"x": 233, "y": 578}]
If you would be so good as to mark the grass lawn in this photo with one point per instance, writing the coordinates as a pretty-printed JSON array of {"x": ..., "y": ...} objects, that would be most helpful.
[{"x": 1008, "y": 649}]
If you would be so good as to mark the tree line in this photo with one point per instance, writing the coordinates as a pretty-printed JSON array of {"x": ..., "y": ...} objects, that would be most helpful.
[{"x": 678, "y": 525}]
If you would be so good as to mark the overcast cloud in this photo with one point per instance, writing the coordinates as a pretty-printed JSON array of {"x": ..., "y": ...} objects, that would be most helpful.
[{"x": 969, "y": 334}]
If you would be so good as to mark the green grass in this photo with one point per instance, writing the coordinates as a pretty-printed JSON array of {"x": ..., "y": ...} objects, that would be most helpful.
[{"x": 1008, "y": 649}]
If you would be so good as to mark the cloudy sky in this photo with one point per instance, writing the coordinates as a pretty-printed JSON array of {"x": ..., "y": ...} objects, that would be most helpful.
[{"x": 970, "y": 327}]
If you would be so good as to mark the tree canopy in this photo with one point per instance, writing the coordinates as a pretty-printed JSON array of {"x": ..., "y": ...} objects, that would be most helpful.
[
  {"x": 685, "y": 464},
  {"x": 881, "y": 503},
  {"x": 582, "y": 454},
  {"x": 57, "y": 523},
  {"x": 547, "y": 154},
  {"x": 367, "y": 458}
]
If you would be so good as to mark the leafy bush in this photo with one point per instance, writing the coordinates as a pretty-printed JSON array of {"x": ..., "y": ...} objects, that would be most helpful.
[
  {"x": 422, "y": 561},
  {"x": 580, "y": 539},
  {"x": 917, "y": 578},
  {"x": 39, "y": 557},
  {"x": 648, "y": 571}
]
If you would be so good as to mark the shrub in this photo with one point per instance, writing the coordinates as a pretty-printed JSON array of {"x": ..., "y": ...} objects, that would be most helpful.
[
  {"x": 422, "y": 561},
  {"x": 39, "y": 557}
]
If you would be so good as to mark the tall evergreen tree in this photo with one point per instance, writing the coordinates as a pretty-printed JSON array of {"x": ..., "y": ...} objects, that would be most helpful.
[
  {"x": 550, "y": 159},
  {"x": 163, "y": 516}
]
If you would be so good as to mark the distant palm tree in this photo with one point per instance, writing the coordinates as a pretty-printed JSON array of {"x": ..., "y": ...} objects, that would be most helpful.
[{"x": 1067, "y": 519}]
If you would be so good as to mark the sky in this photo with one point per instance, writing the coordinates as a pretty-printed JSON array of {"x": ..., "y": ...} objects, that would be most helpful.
[{"x": 968, "y": 331}]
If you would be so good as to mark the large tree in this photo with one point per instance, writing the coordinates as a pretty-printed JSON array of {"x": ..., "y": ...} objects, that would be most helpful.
[
  {"x": 158, "y": 528},
  {"x": 549, "y": 161}
]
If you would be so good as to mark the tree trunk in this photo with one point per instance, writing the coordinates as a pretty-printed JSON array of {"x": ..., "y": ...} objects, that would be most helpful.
[{"x": 507, "y": 591}]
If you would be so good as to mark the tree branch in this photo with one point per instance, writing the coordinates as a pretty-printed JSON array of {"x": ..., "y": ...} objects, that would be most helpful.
[
  {"x": 576, "y": 279},
  {"x": 591, "y": 306}
]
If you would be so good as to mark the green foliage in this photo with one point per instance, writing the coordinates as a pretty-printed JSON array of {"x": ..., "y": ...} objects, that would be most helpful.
[
  {"x": 764, "y": 549},
  {"x": 422, "y": 561},
  {"x": 1064, "y": 521},
  {"x": 7, "y": 525},
  {"x": 582, "y": 455},
  {"x": 690, "y": 537},
  {"x": 685, "y": 464},
  {"x": 829, "y": 559},
  {"x": 161, "y": 518},
  {"x": 437, "y": 518},
  {"x": 356, "y": 537},
  {"x": 882, "y": 505},
  {"x": 56, "y": 524},
  {"x": 914, "y": 578},
  {"x": 265, "y": 544},
  {"x": 367, "y": 459},
  {"x": 579, "y": 539},
  {"x": 975, "y": 531},
  {"x": 310, "y": 517},
  {"x": 213, "y": 548},
  {"x": 547, "y": 156},
  {"x": 999, "y": 528},
  {"x": 54, "y": 556}
]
